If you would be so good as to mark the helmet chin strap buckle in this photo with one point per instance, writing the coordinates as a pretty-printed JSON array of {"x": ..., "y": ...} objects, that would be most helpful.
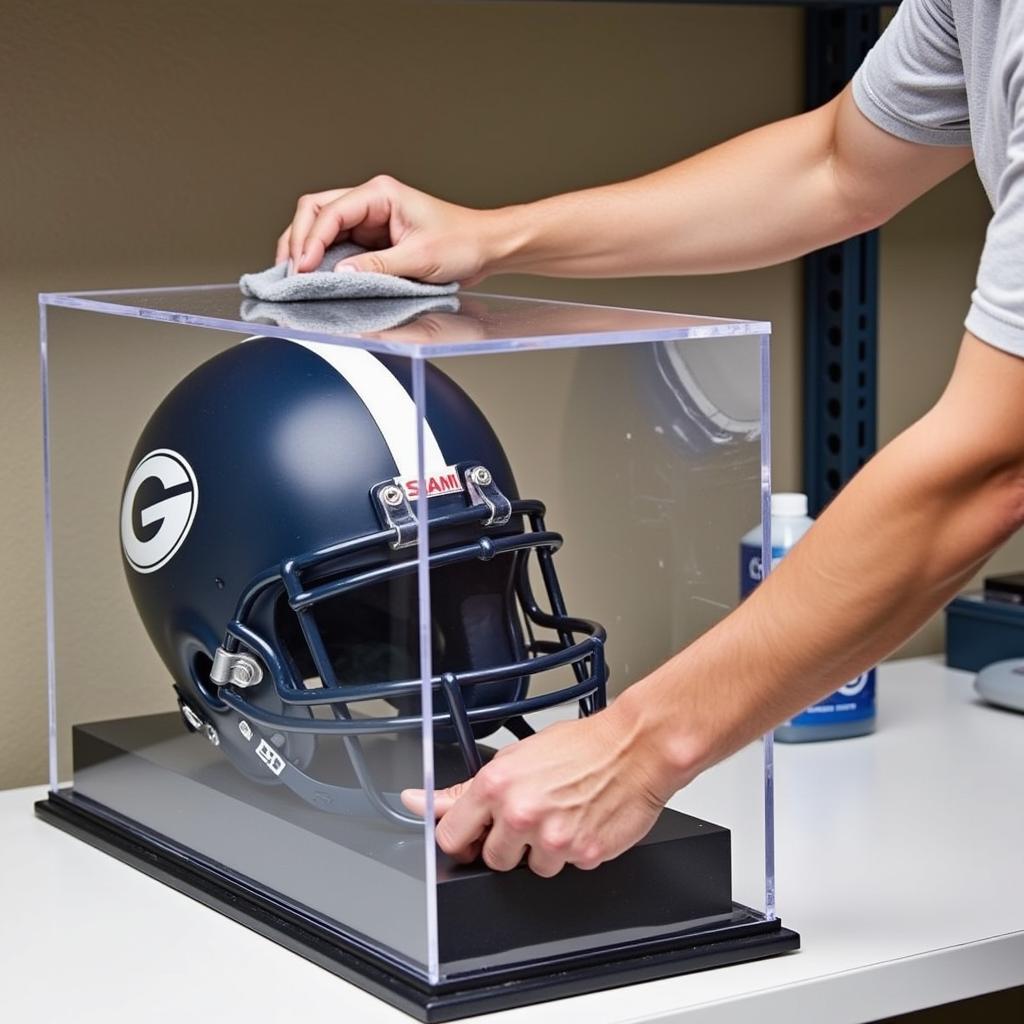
[
  {"x": 194, "y": 722},
  {"x": 483, "y": 490},
  {"x": 191, "y": 718},
  {"x": 238, "y": 669}
]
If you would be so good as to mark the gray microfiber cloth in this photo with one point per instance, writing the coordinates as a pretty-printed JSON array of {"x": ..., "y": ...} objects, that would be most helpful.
[
  {"x": 274, "y": 284},
  {"x": 348, "y": 316}
]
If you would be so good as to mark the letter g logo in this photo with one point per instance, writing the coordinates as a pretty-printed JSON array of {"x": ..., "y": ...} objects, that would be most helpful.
[{"x": 166, "y": 487}]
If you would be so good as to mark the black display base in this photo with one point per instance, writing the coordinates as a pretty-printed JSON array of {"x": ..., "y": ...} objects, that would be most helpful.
[
  {"x": 747, "y": 937},
  {"x": 143, "y": 771}
]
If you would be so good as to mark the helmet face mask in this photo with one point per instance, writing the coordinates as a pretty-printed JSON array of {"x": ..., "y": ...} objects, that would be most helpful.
[{"x": 298, "y": 652}]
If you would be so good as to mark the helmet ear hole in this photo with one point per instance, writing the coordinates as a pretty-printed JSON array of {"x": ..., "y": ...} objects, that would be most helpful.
[{"x": 199, "y": 668}]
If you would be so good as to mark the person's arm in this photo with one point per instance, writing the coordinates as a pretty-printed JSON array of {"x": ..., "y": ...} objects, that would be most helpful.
[
  {"x": 764, "y": 197},
  {"x": 890, "y": 550},
  {"x": 894, "y": 547}
]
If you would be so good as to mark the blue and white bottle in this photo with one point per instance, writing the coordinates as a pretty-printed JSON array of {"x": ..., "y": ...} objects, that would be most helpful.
[{"x": 850, "y": 711}]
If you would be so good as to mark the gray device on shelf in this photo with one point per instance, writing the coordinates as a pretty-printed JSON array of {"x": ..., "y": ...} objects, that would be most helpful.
[{"x": 1002, "y": 683}]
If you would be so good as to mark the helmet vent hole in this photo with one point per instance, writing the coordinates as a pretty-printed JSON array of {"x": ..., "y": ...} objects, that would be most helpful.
[{"x": 199, "y": 669}]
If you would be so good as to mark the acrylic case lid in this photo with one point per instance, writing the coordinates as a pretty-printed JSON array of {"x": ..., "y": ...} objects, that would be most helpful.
[{"x": 304, "y": 556}]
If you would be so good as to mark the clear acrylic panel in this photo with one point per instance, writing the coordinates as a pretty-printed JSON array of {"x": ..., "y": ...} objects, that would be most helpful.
[
  {"x": 571, "y": 470},
  {"x": 648, "y": 460},
  {"x": 183, "y": 500}
]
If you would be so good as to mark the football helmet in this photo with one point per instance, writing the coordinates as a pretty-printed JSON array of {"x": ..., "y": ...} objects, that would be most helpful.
[{"x": 269, "y": 538}]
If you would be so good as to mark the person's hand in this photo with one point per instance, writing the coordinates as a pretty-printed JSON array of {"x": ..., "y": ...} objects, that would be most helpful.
[
  {"x": 577, "y": 793},
  {"x": 408, "y": 233}
]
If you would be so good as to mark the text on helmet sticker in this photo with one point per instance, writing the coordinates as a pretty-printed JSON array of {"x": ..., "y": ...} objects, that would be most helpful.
[
  {"x": 270, "y": 757},
  {"x": 443, "y": 481},
  {"x": 169, "y": 504}
]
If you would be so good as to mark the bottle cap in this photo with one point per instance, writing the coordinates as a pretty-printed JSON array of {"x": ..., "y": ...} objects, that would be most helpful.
[{"x": 789, "y": 505}]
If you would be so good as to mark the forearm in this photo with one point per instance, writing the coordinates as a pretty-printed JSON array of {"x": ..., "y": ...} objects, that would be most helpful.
[
  {"x": 896, "y": 544},
  {"x": 764, "y": 197},
  {"x": 758, "y": 199}
]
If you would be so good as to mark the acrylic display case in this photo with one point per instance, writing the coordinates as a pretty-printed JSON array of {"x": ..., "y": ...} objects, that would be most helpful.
[{"x": 303, "y": 557}]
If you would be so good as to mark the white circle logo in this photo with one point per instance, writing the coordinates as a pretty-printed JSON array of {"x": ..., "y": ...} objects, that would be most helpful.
[
  {"x": 852, "y": 688},
  {"x": 172, "y": 510}
]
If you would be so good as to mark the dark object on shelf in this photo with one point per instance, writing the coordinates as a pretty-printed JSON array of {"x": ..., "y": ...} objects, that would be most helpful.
[
  {"x": 663, "y": 908},
  {"x": 1009, "y": 588},
  {"x": 981, "y": 631}
]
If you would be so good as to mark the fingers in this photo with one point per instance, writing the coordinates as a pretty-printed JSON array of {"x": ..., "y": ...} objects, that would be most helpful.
[
  {"x": 365, "y": 210},
  {"x": 503, "y": 849},
  {"x": 546, "y": 848},
  {"x": 281, "y": 253},
  {"x": 305, "y": 214},
  {"x": 464, "y": 825},
  {"x": 415, "y": 800},
  {"x": 380, "y": 261},
  {"x": 469, "y": 829},
  {"x": 545, "y": 863},
  {"x": 306, "y": 211},
  {"x": 465, "y": 851},
  {"x": 406, "y": 233}
]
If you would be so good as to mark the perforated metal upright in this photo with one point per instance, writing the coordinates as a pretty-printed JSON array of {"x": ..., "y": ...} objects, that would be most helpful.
[{"x": 840, "y": 291}]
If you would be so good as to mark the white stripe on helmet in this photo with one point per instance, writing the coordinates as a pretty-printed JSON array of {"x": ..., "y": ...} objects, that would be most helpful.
[{"x": 390, "y": 405}]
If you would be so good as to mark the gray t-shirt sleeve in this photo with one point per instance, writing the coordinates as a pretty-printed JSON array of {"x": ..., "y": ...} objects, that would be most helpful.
[
  {"x": 911, "y": 84},
  {"x": 997, "y": 304}
]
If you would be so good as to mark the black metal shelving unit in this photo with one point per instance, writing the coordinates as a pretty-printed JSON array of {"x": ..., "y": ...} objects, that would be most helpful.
[{"x": 840, "y": 288}]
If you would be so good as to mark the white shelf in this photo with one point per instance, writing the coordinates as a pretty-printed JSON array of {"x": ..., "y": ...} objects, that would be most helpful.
[{"x": 900, "y": 862}]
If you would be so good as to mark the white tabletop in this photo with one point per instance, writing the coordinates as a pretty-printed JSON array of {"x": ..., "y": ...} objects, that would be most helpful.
[{"x": 900, "y": 862}]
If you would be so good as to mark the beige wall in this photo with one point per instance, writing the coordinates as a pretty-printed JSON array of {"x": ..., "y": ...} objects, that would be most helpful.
[{"x": 165, "y": 143}]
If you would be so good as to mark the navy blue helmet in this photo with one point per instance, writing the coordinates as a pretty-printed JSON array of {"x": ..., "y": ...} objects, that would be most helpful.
[{"x": 268, "y": 528}]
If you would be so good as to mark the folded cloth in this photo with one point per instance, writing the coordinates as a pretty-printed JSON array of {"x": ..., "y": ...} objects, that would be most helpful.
[
  {"x": 348, "y": 317},
  {"x": 274, "y": 284}
]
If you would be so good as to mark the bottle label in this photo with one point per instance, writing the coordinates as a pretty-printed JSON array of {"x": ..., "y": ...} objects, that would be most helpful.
[
  {"x": 751, "y": 569},
  {"x": 852, "y": 702}
]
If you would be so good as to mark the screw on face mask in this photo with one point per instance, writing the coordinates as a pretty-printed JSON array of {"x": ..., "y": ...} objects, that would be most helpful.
[{"x": 392, "y": 495}]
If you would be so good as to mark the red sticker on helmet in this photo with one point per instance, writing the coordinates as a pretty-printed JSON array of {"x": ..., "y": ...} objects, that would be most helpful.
[{"x": 445, "y": 481}]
